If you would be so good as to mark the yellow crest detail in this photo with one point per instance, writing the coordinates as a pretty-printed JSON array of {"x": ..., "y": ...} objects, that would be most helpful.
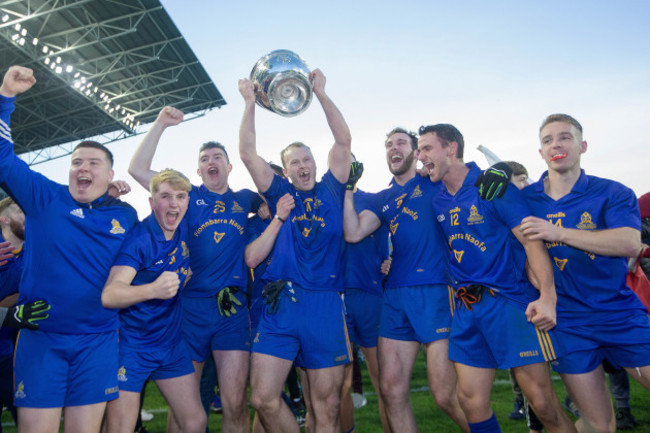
[
  {"x": 458, "y": 255},
  {"x": 393, "y": 227},
  {"x": 121, "y": 374},
  {"x": 560, "y": 263},
  {"x": 236, "y": 208},
  {"x": 218, "y": 236},
  {"x": 173, "y": 256},
  {"x": 306, "y": 231},
  {"x": 20, "y": 391},
  {"x": 219, "y": 207},
  {"x": 117, "y": 228},
  {"x": 186, "y": 251},
  {"x": 474, "y": 216},
  {"x": 416, "y": 192},
  {"x": 307, "y": 202},
  {"x": 585, "y": 222}
]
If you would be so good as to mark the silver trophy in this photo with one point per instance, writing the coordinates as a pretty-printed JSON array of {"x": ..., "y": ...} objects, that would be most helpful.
[{"x": 282, "y": 83}]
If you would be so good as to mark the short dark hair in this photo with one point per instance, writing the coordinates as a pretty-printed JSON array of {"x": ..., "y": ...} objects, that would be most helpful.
[
  {"x": 215, "y": 145},
  {"x": 95, "y": 145},
  {"x": 277, "y": 169},
  {"x": 446, "y": 133},
  {"x": 400, "y": 130}
]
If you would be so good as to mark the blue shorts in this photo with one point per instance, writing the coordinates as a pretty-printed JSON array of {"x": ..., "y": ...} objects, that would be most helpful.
[
  {"x": 138, "y": 366},
  {"x": 496, "y": 334},
  {"x": 61, "y": 370},
  {"x": 625, "y": 343},
  {"x": 310, "y": 331},
  {"x": 362, "y": 316},
  {"x": 417, "y": 313},
  {"x": 205, "y": 330},
  {"x": 255, "y": 311}
]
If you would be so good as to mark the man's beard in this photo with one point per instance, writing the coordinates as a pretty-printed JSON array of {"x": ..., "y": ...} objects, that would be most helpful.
[
  {"x": 17, "y": 228},
  {"x": 406, "y": 165}
]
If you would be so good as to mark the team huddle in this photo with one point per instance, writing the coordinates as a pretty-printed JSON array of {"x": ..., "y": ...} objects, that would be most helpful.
[{"x": 451, "y": 259}]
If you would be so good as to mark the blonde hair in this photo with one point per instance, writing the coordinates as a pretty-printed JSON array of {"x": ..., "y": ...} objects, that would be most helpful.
[{"x": 175, "y": 179}]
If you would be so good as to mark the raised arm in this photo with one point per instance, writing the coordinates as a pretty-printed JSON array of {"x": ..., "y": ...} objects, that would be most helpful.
[
  {"x": 261, "y": 247},
  {"x": 140, "y": 167},
  {"x": 542, "y": 311},
  {"x": 119, "y": 293},
  {"x": 339, "y": 156},
  {"x": 618, "y": 242},
  {"x": 17, "y": 80},
  {"x": 357, "y": 226},
  {"x": 258, "y": 168}
]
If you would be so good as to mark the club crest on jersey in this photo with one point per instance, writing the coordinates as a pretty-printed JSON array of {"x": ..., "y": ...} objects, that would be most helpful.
[
  {"x": 218, "y": 236},
  {"x": 560, "y": 263},
  {"x": 458, "y": 255},
  {"x": 236, "y": 208},
  {"x": 173, "y": 256},
  {"x": 416, "y": 192},
  {"x": 20, "y": 391},
  {"x": 585, "y": 222},
  {"x": 474, "y": 217},
  {"x": 117, "y": 228},
  {"x": 393, "y": 227},
  {"x": 306, "y": 231},
  {"x": 79, "y": 213},
  {"x": 219, "y": 207},
  {"x": 186, "y": 251},
  {"x": 121, "y": 374}
]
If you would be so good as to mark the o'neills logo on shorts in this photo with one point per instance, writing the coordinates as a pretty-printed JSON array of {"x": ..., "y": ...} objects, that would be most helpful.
[
  {"x": 341, "y": 358},
  {"x": 442, "y": 330},
  {"x": 528, "y": 354},
  {"x": 112, "y": 390}
]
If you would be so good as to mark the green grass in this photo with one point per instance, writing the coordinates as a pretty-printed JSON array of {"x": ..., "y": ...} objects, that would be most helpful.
[{"x": 429, "y": 417}]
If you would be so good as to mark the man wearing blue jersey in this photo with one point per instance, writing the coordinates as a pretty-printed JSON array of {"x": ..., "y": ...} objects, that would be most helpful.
[
  {"x": 145, "y": 284},
  {"x": 590, "y": 226},
  {"x": 72, "y": 359},
  {"x": 215, "y": 318},
  {"x": 364, "y": 294},
  {"x": 418, "y": 302},
  {"x": 306, "y": 323},
  {"x": 501, "y": 321}
]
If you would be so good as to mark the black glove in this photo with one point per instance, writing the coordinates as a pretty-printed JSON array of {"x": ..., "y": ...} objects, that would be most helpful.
[
  {"x": 494, "y": 181},
  {"x": 26, "y": 315},
  {"x": 356, "y": 170},
  {"x": 272, "y": 293},
  {"x": 227, "y": 300}
]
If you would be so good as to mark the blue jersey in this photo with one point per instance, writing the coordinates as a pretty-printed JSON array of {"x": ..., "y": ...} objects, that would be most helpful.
[
  {"x": 153, "y": 324},
  {"x": 420, "y": 257},
  {"x": 590, "y": 288},
  {"x": 217, "y": 239},
  {"x": 70, "y": 246},
  {"x": 362, "y": 261},
  {"x": 483, "y": 249},
  {"x": 309, "y": 247},
  {"x": 256, "y": 227},
  {"x": 9, "y": 281}
]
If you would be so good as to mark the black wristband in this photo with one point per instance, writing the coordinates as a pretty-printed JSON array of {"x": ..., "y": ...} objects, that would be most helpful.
[{"x": 281, "y": 219}]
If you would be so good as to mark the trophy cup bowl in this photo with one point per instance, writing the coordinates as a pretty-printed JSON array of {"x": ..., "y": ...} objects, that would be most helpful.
[{"x": 282, "y": 83}]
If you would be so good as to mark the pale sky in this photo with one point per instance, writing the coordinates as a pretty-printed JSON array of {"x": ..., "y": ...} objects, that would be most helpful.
[{"x": 495, "y": 70}]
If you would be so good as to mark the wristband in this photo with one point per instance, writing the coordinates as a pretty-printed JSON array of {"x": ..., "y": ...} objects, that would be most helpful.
[{"x": 281, "y": 219}]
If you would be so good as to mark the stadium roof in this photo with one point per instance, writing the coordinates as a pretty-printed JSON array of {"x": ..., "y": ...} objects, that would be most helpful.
[{"x": 103, "y": 67}]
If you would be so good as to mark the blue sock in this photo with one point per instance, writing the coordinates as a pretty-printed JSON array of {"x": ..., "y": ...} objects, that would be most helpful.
[{"x": 490, "y": 425}]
